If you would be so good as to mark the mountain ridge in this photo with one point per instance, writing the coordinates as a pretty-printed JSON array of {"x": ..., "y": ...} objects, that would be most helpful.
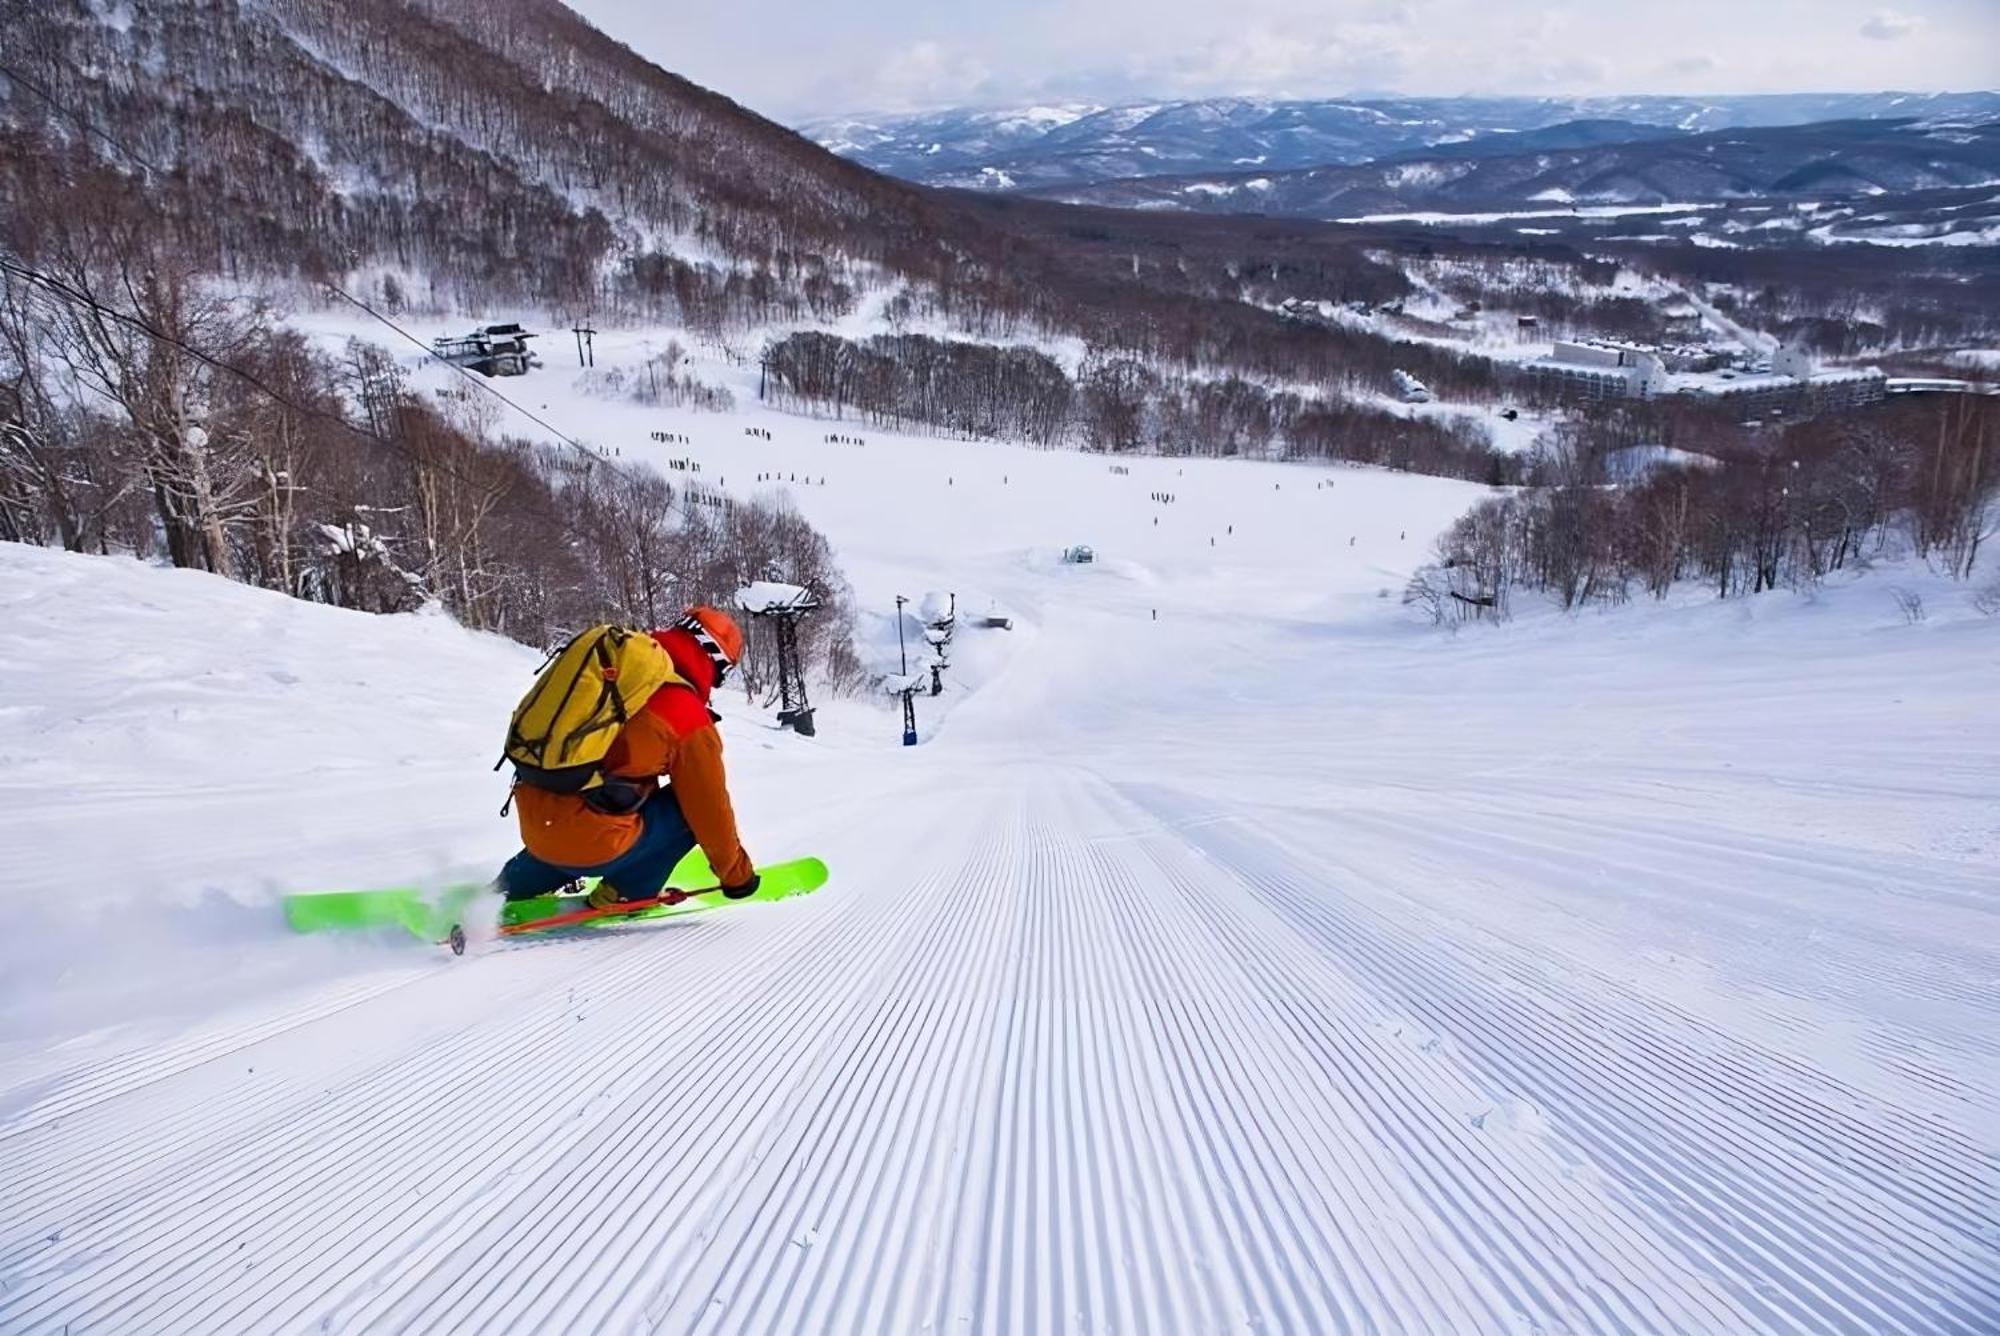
[
  {"x": 1076, "y": 143},
  {"x": 1828, "y": 160}
]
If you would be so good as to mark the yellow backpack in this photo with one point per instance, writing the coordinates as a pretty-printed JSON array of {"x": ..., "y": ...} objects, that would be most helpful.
[{"x": 566, "y": 723}]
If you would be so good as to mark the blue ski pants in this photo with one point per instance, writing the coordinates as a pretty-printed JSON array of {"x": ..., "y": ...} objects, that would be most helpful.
[{"x": 664, "y": 839}]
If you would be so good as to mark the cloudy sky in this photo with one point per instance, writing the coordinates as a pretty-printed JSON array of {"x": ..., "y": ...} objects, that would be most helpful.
[{"x": 798, "y": 58}]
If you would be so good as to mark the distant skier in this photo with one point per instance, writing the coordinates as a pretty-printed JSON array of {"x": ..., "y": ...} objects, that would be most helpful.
[{"x": 603, "y": 810}]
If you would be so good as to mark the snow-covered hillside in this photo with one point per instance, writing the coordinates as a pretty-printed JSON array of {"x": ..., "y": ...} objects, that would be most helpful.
[{"x": 1234, "y": 953}]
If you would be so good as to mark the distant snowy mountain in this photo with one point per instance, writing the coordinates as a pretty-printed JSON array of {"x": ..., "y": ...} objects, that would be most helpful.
[
  {"x": 1834, "y": 160},
  {"x": 1042, "y": 147},
  {"x": 971, "y": 134}
]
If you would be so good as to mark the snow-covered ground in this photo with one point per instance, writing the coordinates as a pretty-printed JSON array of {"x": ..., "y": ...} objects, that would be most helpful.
[
  {"x": 1235, "y": 954},
  {"x": 1584, "y": 211}
]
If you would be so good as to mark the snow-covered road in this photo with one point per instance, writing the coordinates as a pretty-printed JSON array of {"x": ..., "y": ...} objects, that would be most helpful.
[{"x": 1268, "y": 965}]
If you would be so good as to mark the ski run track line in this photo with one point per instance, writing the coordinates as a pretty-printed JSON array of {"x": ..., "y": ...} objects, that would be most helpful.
[{"x": 1124, "y": 1063}]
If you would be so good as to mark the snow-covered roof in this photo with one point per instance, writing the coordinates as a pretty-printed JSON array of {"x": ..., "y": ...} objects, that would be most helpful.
[
  {"x": 1609, "y": 370},
  {"x": 771, "y": 596},
  {"x": 1737, "y": 384},
  {"x": 1931, "y": 384},
  {"x": 1717, "y": 383}
]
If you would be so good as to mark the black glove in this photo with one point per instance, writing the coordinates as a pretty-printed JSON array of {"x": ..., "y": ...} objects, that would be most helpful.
[{"x": 745, "y": 891}]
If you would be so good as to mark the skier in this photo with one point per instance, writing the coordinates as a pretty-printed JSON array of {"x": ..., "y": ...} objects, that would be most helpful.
[{"x": 631, "y": 830}]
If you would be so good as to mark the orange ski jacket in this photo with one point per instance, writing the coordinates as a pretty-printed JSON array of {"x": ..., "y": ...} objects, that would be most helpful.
[{"x": 671, "y": 737}]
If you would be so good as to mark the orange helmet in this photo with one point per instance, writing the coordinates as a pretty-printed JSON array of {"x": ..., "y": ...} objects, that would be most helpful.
[{"x": 718, "y": 635}]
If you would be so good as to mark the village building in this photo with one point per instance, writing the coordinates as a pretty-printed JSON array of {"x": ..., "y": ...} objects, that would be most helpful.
[{"x": 1790, "y": 385}]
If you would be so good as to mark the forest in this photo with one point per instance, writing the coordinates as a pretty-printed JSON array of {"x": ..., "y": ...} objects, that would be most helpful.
[
  {"x": 1114, "y": 403},
  {"x": 143, "y": 412},
  {"x": 1918, "y": 477}
]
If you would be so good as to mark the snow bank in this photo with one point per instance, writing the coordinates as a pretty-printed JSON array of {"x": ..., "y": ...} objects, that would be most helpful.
[{"x": 177, "y": 750}]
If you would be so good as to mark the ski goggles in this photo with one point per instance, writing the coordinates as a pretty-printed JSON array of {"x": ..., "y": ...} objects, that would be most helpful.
[{"x": 721, "y": 661}]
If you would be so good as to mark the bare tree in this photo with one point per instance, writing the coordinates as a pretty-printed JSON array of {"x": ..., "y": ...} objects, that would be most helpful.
[
  {"x": 39, "y": 475},
  {"x": 140, "y": 330}
]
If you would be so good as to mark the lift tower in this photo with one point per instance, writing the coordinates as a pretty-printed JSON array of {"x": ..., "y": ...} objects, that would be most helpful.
[{"x": 780, "y": 606}]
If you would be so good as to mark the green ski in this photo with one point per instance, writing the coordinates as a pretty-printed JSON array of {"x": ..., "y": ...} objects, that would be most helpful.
[
  {"x": 779, "y": 881},
  {"x": 438, "y": 915}
]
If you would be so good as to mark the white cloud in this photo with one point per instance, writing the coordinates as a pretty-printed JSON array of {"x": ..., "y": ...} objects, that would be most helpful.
[
  {"x": 928, "y": 72},
  {"x": 1887, "y": 25},
  {"x": 1274, "y": 60},
  {"x": 806, "y": 57},
  {"x": 1574, "y": 73}
]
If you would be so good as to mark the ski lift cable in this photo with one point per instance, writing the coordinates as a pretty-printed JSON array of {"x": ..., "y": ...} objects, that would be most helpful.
[
  {"x": 145, "y": 327},
  {"x": 479, "y": 381}
]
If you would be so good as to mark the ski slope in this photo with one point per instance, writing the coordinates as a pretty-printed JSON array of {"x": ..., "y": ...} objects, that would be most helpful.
[{"x": 1232, "y": 955}]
